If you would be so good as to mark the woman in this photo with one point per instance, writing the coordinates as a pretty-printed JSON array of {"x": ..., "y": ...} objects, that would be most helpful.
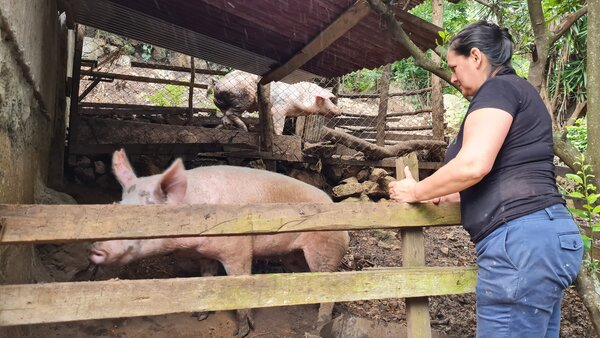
[{"x": 528, "y": 247}]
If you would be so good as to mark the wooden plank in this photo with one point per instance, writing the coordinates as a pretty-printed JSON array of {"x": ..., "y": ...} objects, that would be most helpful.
[
  {"x": 61, "y": 223},
  {"x": 60, "y": 302},
  {"x": 375, "y": 96},
  {"x": 413, "y": 255},
  {"x": 265, "y": 118},
  {"x": 337, "y": 28},
  {"x": 151, "y": 110},
  {"x": 384, "y": 89},
  {"x": 92, "y": 73},
  {"x": 176, "y": 68},
  {"x": 108, "y": 131}
]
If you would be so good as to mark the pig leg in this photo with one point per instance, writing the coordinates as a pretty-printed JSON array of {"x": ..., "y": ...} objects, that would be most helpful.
[
  {"x": 278, "y": 119},
  {"x": 241, "y": 266},
  {"x": 208, "y": 268},
  {"x": 238, "y": 122},
  {"x": 323, "y": 256}
]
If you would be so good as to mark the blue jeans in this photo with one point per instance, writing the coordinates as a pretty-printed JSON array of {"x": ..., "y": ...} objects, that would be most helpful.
[{"x": 524, "y": 266}]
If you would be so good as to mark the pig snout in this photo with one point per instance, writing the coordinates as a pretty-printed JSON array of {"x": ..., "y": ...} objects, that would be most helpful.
[{"x": 98, "y": 256}]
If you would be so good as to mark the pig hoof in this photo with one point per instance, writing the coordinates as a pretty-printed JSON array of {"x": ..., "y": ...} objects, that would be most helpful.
[
  {"x": 243, "y": 330},
  {"x": 244, "y": 327},
  {"x": 200, "y": 315}
]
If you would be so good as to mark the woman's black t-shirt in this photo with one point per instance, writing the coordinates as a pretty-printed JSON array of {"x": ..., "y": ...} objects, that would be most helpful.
[{"x": 522, "y": 178}]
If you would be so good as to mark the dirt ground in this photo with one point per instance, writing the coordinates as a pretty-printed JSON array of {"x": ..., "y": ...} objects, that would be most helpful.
[{"x": 451, "y": 316}]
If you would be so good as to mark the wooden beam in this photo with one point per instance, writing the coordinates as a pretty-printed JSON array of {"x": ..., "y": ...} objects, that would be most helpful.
[
  {"x": 384, "y": 91},
  {"x": 61, "y": 302},
  {"x": 136, "y": 78},
  {"x": 337, "y": 28},
  {"x": 59, "y": 223},
  {"x": 176, "y": 68},
  {"x": 413, "y": 255},
  {"x": 375, "y": 96}
]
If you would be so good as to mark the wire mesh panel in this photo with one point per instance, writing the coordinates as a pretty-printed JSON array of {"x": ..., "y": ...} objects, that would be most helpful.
[{"x": 129, "y": 81}]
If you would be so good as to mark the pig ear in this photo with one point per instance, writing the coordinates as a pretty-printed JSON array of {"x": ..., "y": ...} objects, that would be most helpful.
[
  {"x": 319, "y": 100},
  {"x": 122, "y": 169},
  {"x": 173, "y": 182}
]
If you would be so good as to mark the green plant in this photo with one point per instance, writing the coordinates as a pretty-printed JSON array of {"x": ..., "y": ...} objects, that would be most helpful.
[
  {"x": 146, "y": 51},
  {"x": 585, "y": 190},
  {"x": 169, "y": 96},
  {"x": 361, "y": 80},
  {"x": 577, "y": 134}
]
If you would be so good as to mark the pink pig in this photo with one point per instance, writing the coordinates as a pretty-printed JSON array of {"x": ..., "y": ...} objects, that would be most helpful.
[{"x": 323, "y": 251}]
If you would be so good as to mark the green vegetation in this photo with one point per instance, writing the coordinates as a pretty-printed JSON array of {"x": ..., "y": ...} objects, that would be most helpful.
[
  {"x": 169, "y": 96},
  {"x": 589, "y": 211},
  {"x": 577, "y": 134}
]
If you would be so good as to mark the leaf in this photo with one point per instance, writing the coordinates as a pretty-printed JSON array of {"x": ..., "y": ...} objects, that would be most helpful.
[
  {"x": 575, "y": 178},
  {"x": 591, "y": 199},
  {"x": 596, "y": 209},
  {"x": 576, "y": 194},
  {"x": 587, "y": 242},
  {"x": 579, "y": 213}
]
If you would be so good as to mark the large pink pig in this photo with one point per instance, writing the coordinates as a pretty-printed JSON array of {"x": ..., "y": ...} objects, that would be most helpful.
[
  {"x": 236, "y": 92},
  {"x": 223, "y": 185}
]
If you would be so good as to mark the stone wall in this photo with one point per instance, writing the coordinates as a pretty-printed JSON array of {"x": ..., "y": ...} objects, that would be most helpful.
[{"x": 32, "y": 72}]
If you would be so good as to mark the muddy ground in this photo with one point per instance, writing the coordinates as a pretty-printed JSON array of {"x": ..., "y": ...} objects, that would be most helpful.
[{"x": 451, "y": 316}]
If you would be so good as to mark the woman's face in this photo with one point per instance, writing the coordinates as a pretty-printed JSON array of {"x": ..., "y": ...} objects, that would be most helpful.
[{"x": 466, "y": 71}]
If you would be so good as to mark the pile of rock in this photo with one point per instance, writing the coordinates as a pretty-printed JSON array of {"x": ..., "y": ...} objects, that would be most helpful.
[{"x": 368, "y": 185}]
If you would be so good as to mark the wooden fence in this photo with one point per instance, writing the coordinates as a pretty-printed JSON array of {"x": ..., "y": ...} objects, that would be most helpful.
[{"x": 58, "y": 302}]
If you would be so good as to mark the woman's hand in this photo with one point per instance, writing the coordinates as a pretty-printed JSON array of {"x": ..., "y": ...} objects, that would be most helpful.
[{"x": 404, "y": 190}]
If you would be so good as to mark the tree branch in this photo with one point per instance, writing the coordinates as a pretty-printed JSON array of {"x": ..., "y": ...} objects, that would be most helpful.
[
  {"x": 395, "y": 28},
  {"x": 564, "y": 26}
]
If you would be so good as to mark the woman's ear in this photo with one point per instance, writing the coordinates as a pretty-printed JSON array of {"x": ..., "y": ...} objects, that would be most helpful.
[{"x": 477, "y": 56}]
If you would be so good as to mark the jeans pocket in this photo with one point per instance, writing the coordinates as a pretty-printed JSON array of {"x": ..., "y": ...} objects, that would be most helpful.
[
  {"x": 571, "y": 245},
  {"x": 570, "y": 241}
]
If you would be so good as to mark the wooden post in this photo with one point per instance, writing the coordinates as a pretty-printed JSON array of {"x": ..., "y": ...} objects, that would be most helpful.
[
  {"x": 76, "y": 78},
  {"x": 384, "y": 91},
  {"x": 266, "y": 122},
  {"x": 191, "y": 97},
  {"x": 413, "y": 255},
  {"x": 437, "y": 96}
]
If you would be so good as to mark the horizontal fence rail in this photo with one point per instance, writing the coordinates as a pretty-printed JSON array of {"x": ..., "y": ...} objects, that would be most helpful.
[
  {"x": 61, "y": 223},
  {"x": 59, "y": 302},
  {"x": 62, "y": 302}
]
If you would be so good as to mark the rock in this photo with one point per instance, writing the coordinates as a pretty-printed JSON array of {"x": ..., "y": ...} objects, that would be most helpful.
[
  {"x": 86, "y": 175},
  {"x": 115, "y": 40},
  {"x": 347, "y": 190},
  {"x": 83, "y": 162},
  {"x": 445, "y": 250},
  {"x": 179, "y": 60},
  {"x": 128, "y": 49},
  {"x": 159, "y": 54},
  {"x": 362, "y": 175},
  {"x": 92, "y": 49},
  {"x": 377, "y": 174},
  {"x": 349, "y": 180},
  {"x": 100, "y": 167},
  {"x": 124, "y": 61},
  {"x": 347, "y": 326},
  {"x": 373, "y": 189}
]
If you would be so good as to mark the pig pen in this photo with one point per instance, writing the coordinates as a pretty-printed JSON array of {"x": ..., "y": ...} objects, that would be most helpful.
[{"x": 451, "y": 316}]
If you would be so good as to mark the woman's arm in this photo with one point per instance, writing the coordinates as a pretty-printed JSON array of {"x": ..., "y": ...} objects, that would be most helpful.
[{"x": 484, "y": 133}]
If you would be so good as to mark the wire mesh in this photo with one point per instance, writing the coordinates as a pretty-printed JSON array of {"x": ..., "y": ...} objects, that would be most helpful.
[{"x": 125, "y": 79}]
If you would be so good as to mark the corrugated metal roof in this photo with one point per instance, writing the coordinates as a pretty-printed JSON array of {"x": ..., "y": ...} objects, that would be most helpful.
[{"x": 256, "y": 36}]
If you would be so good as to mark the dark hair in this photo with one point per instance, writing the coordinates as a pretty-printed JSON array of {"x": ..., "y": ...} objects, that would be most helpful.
[{"x": 492, "y": 40}]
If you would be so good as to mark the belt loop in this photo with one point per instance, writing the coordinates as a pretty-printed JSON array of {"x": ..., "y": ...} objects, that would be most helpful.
[{"x": 549, "y": 213}]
